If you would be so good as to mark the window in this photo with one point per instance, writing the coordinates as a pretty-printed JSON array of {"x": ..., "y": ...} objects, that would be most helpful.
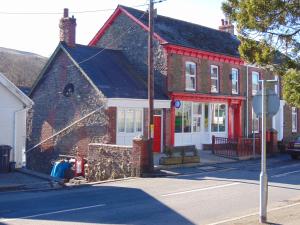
[
  {"x": 190, "y": 76},
  {"x": 235, "y": 81},
  {"x": 214, "y": 78},
  {"x": 188, "y": 117},
  {"x": 218, "y": 118},
  {"x": 197, "y": 113},
  {"x": 294, "y": 119},
  {"x": 130, "y": 120},
  {"x": 255, "y": 84},
  {"x": 276, "y": 86},
  {"x": 121, "y": 120},
  {"x": 255, "y": 122}
]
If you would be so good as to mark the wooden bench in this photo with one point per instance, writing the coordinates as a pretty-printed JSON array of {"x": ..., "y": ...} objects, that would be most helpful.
[{"x": 180, "y": 155}]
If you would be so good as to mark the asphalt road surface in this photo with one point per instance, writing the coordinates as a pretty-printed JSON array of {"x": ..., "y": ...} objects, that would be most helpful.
[{"x": 203, "y": 195}]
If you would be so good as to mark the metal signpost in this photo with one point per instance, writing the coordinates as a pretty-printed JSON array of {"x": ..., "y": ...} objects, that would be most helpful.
[{"x": 264, "y": 103}]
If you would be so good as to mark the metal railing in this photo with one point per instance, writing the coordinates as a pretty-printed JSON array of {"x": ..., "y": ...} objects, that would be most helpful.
[{"x": 236, "y": 147}]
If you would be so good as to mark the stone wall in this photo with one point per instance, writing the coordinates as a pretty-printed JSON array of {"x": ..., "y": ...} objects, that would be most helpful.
[
  {"x": 125, "y": 34},
  {"x": 106, "y": 161},
  {"x": 54, "y": 111}
]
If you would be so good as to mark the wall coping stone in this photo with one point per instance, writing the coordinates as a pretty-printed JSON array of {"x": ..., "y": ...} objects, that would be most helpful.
[{"x": 110, "y": 145}]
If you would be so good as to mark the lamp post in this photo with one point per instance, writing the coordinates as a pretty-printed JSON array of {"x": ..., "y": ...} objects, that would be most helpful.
[{"x": 271, "y": 107}]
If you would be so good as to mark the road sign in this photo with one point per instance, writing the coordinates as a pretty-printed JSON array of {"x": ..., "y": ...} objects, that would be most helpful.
[{"x": 272, "y": 103}]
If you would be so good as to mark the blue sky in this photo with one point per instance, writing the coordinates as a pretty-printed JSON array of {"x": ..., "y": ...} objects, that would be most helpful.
[{"x": 39, "y": 33}]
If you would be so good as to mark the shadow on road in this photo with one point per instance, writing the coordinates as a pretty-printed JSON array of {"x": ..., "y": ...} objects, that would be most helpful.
[{"x": 105, "y": 205}]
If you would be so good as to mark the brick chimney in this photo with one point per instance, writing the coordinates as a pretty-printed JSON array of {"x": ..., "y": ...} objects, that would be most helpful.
[
  {"x": 67, "y": 26},
  {"x": 227, "y": 26}
]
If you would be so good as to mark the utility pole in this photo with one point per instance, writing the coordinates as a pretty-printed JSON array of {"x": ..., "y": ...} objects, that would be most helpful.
[{"x": 150, "y": 86}]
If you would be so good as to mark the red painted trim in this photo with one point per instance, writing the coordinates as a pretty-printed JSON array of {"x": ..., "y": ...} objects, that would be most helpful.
[
  {"x": 202, "y": 54},
  {"x": 206, "y": 97},
  {"x": 111, "y": 19},
  {"x": 106, "y": 25},
  {"x": 172, "y": 121}
]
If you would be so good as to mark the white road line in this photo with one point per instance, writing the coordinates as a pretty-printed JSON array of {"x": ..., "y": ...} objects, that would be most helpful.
[
  {"x": 252, "y": 214},
  {"x": 51, "y": 213},
  {"x": 201, "y": 189},
  {"x": 285, "y": 174}
]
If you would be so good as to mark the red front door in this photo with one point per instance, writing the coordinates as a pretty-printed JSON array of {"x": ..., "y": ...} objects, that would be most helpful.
[{"x": 157, "y": 134}]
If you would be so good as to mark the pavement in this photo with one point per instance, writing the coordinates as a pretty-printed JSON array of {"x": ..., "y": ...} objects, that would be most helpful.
[{"x": 23, "y": 179}]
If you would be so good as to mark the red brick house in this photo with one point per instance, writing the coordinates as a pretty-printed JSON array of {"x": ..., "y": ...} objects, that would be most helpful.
[{"x": 99, "y": 92}]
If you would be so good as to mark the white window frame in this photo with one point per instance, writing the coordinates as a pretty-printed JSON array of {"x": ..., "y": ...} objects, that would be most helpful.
[
  {"x": 218, "y": 105},
  {"x": 197, "y": 116},
  {"x": 135, "y": 110},
  {"x": 190, "y": 76},
  {"x": 213, "y": 78},
  {"x": 294, "y": 122},
  {"x": 235, "y": 81},
  {"x": 255, "y": 73}
]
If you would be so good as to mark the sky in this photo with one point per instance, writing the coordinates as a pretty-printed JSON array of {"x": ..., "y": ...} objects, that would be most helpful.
[{"x": 32, "y": 25}]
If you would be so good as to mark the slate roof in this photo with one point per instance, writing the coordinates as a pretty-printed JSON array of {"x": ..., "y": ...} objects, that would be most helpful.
[
  {"x": 190, "y": 35},
  {"x": 111, "y": 72}
]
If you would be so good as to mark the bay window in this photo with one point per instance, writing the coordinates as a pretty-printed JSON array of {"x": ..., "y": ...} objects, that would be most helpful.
[{"x": 189, "y": 119}]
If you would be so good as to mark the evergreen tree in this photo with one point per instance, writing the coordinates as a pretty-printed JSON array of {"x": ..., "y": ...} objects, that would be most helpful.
[{"x": 269, "y": 31}]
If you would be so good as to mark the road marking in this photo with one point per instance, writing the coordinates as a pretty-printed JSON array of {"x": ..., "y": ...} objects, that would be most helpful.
[
  {"x": 51, "y": 213},
  {"x": 200, "y": 189},
  {"x": 253, "y": 214},
  {"x": 285, "y": 174}
]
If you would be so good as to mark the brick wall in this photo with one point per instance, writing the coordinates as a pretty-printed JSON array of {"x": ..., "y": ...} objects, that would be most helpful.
[{"x": 53, "y": 111}]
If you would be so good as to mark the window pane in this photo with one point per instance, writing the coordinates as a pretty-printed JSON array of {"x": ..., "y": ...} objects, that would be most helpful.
[
  {"x": 255, "y": 84},
  {"x": 214, "y": 72},
  {"x": 197, "y": 111},
  {"x": 178, "y": 120},
  {"x": 206, "y": 121},
  {"x": 214, "y": 117},
  {"x": 138, "y": 120},
  {"x": 121, "y": 121},
  {"x": 187, "y": 112},
  {"x": 130, "y": 121},
  {"x": 190, "y": 82},
  {"x": 234, "y": 81},
  {"x": 214, "y": 85},
  {"x": 190, "y": 68},
  {"x": 197, "y": 124},
  {"x": 255, "y": 122},
  {"x": 222, "y": 117}
]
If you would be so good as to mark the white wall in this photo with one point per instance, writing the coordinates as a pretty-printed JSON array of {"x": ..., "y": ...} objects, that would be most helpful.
[{"x": 9, "y": 105}]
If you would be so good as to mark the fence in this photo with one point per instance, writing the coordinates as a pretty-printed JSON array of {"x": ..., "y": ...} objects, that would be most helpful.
[{"x": 241, "y": 147}]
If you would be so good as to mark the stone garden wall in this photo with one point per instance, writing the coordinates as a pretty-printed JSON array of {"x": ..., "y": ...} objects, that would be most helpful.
[{"x": 106, "y": 161}]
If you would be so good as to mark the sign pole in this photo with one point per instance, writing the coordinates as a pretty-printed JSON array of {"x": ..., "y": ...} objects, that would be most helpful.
[{"x": 263, "y": 174}]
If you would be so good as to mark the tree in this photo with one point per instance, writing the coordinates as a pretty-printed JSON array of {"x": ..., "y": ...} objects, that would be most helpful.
[{"x": 269, "y": 31}]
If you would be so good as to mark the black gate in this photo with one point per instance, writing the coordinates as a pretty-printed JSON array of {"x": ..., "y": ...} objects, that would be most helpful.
[{"x": 4, "y": 158}]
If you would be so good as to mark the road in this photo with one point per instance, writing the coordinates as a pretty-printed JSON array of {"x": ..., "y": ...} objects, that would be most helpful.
[{"x": 203, "y": 195}]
